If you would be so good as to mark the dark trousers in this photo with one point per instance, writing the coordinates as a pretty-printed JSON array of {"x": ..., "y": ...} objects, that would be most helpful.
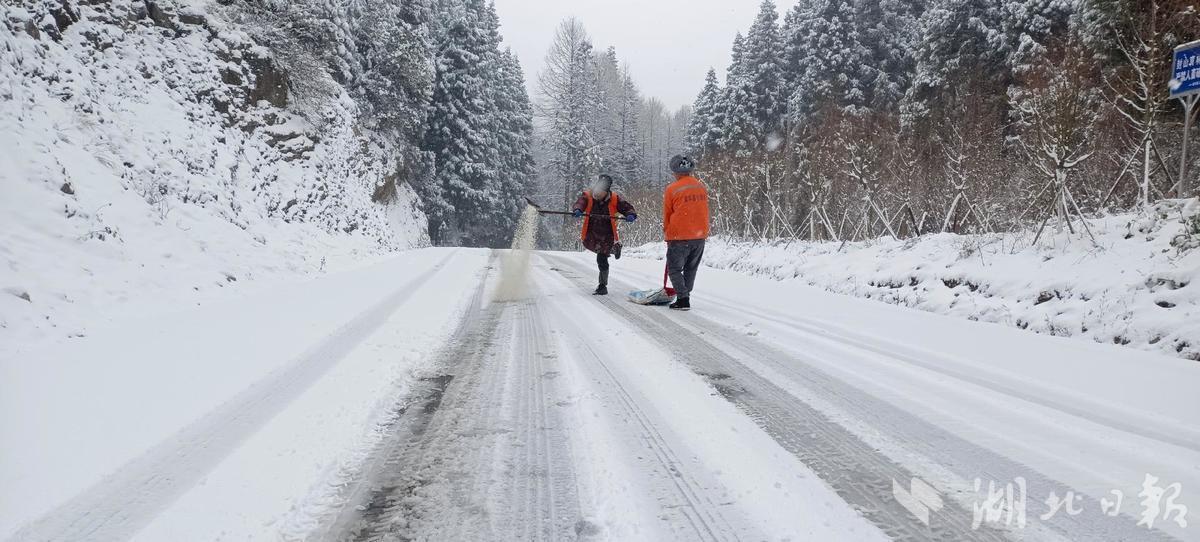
[
  {"x": 602, "y": 263},
  {"x": 683, "y": 259}
]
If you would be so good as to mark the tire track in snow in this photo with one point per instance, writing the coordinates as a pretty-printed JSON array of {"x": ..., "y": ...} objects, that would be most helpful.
[
  {"x": 688, "y": 495},
  {"x": 550, "y": 452},
  {"x": 486, "y": 457},
  {"x": 959, "y": 456},
  {"x": 854, "y": 469},
  {"x": 965, "y": 459},
  {"x": 1183, "y": 437},
  {"x": 125, "y": 501}
]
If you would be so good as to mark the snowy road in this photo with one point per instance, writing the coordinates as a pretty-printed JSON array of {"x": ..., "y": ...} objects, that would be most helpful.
[
  {"x": 570, "y": 407},
  {"x": 429, "y": 411},
  {"x": 542, "y": 429}
]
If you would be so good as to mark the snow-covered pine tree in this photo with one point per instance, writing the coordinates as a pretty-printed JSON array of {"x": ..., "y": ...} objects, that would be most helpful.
[
  {"x": 755, "y": 104},
  {"x": 518, "y": 172},
  {"x": 818, "y": 55},
  {"x": 395, "y": 79},
  {"x": 630, "y": 158},
  {"x": 570, "y": 104},
  {"x": 958, "y": 63},
  {"x": 608, "y": 121},
  {"x": 444, "y": 14},
  {"x": 733, "y": 102},
  {"x": 514, "y": 141},
  {"x": 1028, "y": 25},
  {"x": 705, "y": 125},
  {"x": 397, "y": 74},
  {"x": 886, "y": 34},
  {"x": 464, "y": 132}
]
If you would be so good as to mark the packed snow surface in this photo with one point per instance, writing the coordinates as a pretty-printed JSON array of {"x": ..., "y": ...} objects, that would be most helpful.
[{"x": 397, "y": 398}]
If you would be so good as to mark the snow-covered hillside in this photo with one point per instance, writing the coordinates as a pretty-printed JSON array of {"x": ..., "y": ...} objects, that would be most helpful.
[
  {"x": 1135, "y": 286},
  {"x": 150, "y": 150}
]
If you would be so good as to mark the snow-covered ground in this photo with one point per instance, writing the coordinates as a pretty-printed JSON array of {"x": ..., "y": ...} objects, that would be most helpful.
[
  {"x": 954, "y": 401},
  {"x": 424, "y": 409},
  {"x": 137, "y": 170},
  {"x": 1135, "y": 286},
  {"x": 228, "y": 409}
]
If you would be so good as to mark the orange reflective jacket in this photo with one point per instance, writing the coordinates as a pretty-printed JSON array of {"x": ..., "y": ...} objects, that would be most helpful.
[
  {"x": 587, "y": 214},
  {"x": 685, "y": 210}
]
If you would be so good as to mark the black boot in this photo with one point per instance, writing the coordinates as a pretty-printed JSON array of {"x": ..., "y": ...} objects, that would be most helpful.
[
  {"x": 617, "y": 251},
  {"x": 682, "y": 304},
  {"x": 601, "y": 290}
]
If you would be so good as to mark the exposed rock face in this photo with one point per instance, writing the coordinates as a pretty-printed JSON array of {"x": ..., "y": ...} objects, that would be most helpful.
[
  {"x": 187, "y": 108},
  {"x": 270, "y": 82}
]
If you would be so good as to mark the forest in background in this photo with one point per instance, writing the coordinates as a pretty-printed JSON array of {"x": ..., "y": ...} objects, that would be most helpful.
[
  {"x": 858, "y": 119},
  {"x": 592, "y": 118},
  {"x": 434, "y": 79},
  {"x": 844, "y": 120}
]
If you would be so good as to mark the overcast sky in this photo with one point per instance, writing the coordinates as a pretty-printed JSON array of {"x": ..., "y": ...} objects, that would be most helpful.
[{"x": 669, "y": 44}]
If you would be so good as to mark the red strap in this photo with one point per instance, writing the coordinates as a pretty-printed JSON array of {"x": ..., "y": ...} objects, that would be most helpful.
[{"x": 667, "y": 273}]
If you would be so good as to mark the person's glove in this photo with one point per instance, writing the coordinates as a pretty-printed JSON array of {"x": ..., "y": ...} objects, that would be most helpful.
[
  {"x": 630, "y": 217},
  {"x": 577, "y": 213}
]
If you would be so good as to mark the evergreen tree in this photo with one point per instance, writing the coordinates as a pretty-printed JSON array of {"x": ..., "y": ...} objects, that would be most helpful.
[
  {"x": 464, "y": 130},
  {"x": 763, "y": 75},
  {"x": 704, "y": 128},
  {"x": 734, "y": 101},
  {"x": 630, "y": 158},
  {"x": 821, "y": 59},
  {"x": 397, "y": 76},
  {"x": 886, "y": 33},
  {"x": 959, "y": 38},
  {"x": 608, "y": 120},
  {"x": 570, "y": 104},
  {"x": 516, "y": 128}
]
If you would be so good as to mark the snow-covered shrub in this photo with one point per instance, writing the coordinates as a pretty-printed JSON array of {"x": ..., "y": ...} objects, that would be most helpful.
[
  {"x": 1137, "y": 287},
  {"x": 1189, "y": 237}
]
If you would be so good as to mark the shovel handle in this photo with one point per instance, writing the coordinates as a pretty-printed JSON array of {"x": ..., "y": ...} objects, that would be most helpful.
[
  {"x": 593, "y": 215},
  {"x": 540, "y": 210}
]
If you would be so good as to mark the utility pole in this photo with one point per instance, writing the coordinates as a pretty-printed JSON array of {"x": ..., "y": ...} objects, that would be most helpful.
[{"x": 1189, "y": 104}]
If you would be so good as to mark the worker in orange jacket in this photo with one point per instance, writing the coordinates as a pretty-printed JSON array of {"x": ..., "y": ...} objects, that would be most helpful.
[
  {"x": 600, "y": 234},
  {"x": 685, "y": 226}
]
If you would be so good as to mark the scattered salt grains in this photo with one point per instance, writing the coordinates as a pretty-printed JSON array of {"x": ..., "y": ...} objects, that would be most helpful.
[{"x": 514, "y": 265}]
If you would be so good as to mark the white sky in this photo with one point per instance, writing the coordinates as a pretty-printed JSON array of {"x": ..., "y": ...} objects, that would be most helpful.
[{"x": 669, "y": 44}]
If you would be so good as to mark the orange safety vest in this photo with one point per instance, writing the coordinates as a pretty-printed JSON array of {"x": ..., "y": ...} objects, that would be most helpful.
[
  {"x": 612, "y": 212},
  {"x": 685, "y": 210}
]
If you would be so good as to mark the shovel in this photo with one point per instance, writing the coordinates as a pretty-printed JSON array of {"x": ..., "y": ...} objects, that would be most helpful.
[
  {"x": 565, "y": 213},
  {"x": 660, "y": 296}
]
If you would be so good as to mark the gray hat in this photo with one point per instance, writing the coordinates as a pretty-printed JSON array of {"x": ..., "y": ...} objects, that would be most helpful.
[{"x": 682, "y": 164}]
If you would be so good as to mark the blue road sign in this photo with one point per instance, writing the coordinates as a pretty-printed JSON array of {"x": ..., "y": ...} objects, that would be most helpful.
[{"x": 1185, "y": 74}]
